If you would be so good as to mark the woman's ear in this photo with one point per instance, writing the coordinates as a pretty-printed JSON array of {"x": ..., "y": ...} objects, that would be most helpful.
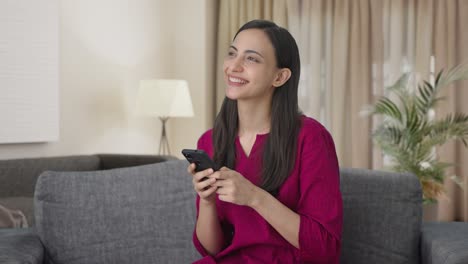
[{"x": 282, "y": 76}]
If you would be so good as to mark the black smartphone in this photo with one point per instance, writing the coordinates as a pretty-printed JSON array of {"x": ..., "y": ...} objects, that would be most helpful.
[{"x": 200, "y": 158}]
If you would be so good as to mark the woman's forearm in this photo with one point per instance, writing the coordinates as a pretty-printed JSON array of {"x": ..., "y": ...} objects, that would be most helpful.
[
  {"x": 285, "y": 221},
  {"x": 208, "y": 228}
]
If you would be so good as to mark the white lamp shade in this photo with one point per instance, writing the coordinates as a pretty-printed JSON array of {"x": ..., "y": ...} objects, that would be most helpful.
[{"x": 164, "y": 98}]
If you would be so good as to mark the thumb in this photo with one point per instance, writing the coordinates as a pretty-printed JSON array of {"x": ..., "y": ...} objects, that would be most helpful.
[{"x": 224, "y": 168}]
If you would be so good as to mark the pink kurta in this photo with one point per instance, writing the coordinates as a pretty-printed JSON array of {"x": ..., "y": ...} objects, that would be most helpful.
[{"x": 312, "y": 190}]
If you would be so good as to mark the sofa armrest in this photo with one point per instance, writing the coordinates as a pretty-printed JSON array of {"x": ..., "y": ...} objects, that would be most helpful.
[
  {"x": 20, "y": 245},
  {"x": 444, "y": 242},
  {"x": 113, "y": 161}
]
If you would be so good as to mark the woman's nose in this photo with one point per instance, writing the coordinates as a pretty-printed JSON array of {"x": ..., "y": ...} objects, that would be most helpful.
[{"x": 236, "y": 65}]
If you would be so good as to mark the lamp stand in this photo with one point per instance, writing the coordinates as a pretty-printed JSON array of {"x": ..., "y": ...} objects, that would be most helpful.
[{"x": 164, "y": 143}]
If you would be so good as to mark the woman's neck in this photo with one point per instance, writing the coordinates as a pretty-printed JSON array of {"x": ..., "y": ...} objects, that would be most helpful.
[{"x": 254, "y": 118}]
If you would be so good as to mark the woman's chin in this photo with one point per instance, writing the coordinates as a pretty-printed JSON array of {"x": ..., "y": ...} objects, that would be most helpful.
[
  {"x": 231, "y": 94},
  {"x": 231, "y": 97}
]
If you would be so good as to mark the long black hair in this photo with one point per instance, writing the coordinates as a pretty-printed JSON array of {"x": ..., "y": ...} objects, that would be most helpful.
[{"x": 280, "y": 147}]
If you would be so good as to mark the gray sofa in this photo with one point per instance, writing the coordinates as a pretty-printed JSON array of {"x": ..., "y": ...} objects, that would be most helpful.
[
  {"x": 18, "y": 176},
  {"x": 146, "y": 214}
]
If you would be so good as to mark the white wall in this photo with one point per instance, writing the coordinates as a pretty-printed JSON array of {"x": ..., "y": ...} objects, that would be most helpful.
[
  {"x": 106, "y": 47},
  {"x": 194, "y": 48}
]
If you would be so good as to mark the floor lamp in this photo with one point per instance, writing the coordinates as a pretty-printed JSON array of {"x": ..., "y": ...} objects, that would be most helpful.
[{"x": 164, "y": 99}]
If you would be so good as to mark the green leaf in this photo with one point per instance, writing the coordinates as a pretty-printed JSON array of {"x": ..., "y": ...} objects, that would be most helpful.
[
  {"x": 387, "y": 108},
  {"x": 437, "y": 80},
  {"x": 407, "y": 135}
]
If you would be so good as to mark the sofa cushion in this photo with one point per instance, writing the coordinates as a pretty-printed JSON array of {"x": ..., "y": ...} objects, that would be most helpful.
[
  {"x": 444, "y": 243},
  {"x": 142, "y": 214},
  {"x": 20, "y": 246},
  {"x": 18, "y": 176},
  {"x": 381, "y": 217},
  {"x": 113, "y": 161}
]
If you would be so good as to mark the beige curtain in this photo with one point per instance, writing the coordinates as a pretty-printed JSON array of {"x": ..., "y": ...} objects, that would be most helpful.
[
  {"x": 231, "y": 16},
  {"x": 450, "y": 48},
  {"x": 334, "y": 39},
  {"x": 351, "y": 50}
]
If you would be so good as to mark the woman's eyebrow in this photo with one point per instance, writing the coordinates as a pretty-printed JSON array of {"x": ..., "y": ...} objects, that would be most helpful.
[
  {"x": 247, "y": 51},
  {"x": 253, "y": 51}
]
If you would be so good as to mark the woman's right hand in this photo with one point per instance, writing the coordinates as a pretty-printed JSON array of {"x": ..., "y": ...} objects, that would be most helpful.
[{"x": 203, "y": 184}]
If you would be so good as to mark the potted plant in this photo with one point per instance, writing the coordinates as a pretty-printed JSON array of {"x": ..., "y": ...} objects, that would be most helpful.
[{"x": 409, "y": 131}]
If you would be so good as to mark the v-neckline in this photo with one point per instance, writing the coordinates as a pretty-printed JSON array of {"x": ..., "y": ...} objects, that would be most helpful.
[{"x": 254, "y": 146}]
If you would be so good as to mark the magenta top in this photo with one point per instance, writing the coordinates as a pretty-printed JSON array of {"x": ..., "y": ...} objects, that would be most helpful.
[{"x": 312, "y": 190}]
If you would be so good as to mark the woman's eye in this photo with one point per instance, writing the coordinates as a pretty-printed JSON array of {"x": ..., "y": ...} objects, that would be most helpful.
[
  {"x": 231, "y": 53},
  {"x": 253, "y": 59}
]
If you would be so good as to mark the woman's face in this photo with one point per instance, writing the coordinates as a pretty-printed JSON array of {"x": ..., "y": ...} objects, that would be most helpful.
[{"x": 250, "y": 66}]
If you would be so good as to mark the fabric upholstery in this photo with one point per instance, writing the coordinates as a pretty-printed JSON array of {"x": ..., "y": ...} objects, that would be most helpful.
[
  {"x": 18, "y": 176},
  {"x": 382, "y": 217},
  {"x": 112, "y": 161},
  {"x": 444, "y": 243},
  {"x": 141, "y": 214},
  {"x": 20, "y": 246}
]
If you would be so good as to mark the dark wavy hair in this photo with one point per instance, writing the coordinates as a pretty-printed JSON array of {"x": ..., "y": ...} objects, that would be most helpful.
[{"x": 280, "y": 147}]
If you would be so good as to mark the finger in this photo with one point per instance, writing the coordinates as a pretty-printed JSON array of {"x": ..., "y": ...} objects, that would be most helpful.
[
  {"x": 191, "y": 168},
  {"x": 204, "y": 184},
  {"x": 220, "y": 175},
  {"x": 224, "y": 198},
  {"x": 224, "y": 168},
  {"x": 207, "y": 192},
  {"x": 202, "y": 174},
  {"x": 222, "y": 190},
  {"x": 220, "y": 183}
]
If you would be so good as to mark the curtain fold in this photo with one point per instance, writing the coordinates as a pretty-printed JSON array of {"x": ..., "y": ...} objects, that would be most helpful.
[
  {"x": 462, "y": 152},
  {"x": 335, "y": 43},
  {"x": 360, "y": 86}
]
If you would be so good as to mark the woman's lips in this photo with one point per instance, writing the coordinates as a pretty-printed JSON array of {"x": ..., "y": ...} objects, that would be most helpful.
[{"x": 236, "y": 81}]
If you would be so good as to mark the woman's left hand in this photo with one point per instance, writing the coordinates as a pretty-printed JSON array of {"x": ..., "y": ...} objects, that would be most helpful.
[{"x": 234, "y": 188}]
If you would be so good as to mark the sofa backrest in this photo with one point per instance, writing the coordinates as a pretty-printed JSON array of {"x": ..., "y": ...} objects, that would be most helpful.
[
  {"x": 113, "y": 161},
  {"x": 143, "y": 214},
  {"x": 382, "y": 217},
  {"x": 146, "y": 214},
  {"x": 18, "y": 176}
]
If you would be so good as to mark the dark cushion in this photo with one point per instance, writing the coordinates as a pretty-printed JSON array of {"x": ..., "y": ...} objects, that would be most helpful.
[
  {"x": 444, "y": 243},
  {"x": 20, "y": 246},
  {"x": 382, "y": 217},
  {"x": 18, "y": 176},
  {"x": 142, "y": 214}
]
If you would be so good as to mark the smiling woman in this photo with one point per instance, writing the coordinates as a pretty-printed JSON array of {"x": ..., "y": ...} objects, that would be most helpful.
[{"x": 276, "y": 198}]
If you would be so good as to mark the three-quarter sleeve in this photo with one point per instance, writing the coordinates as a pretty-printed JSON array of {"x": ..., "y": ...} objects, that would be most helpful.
[{"x": 320, "y": 203}]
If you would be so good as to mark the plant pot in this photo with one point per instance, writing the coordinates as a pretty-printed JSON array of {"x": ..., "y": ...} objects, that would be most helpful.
[{"x": 430, "y": 212}]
